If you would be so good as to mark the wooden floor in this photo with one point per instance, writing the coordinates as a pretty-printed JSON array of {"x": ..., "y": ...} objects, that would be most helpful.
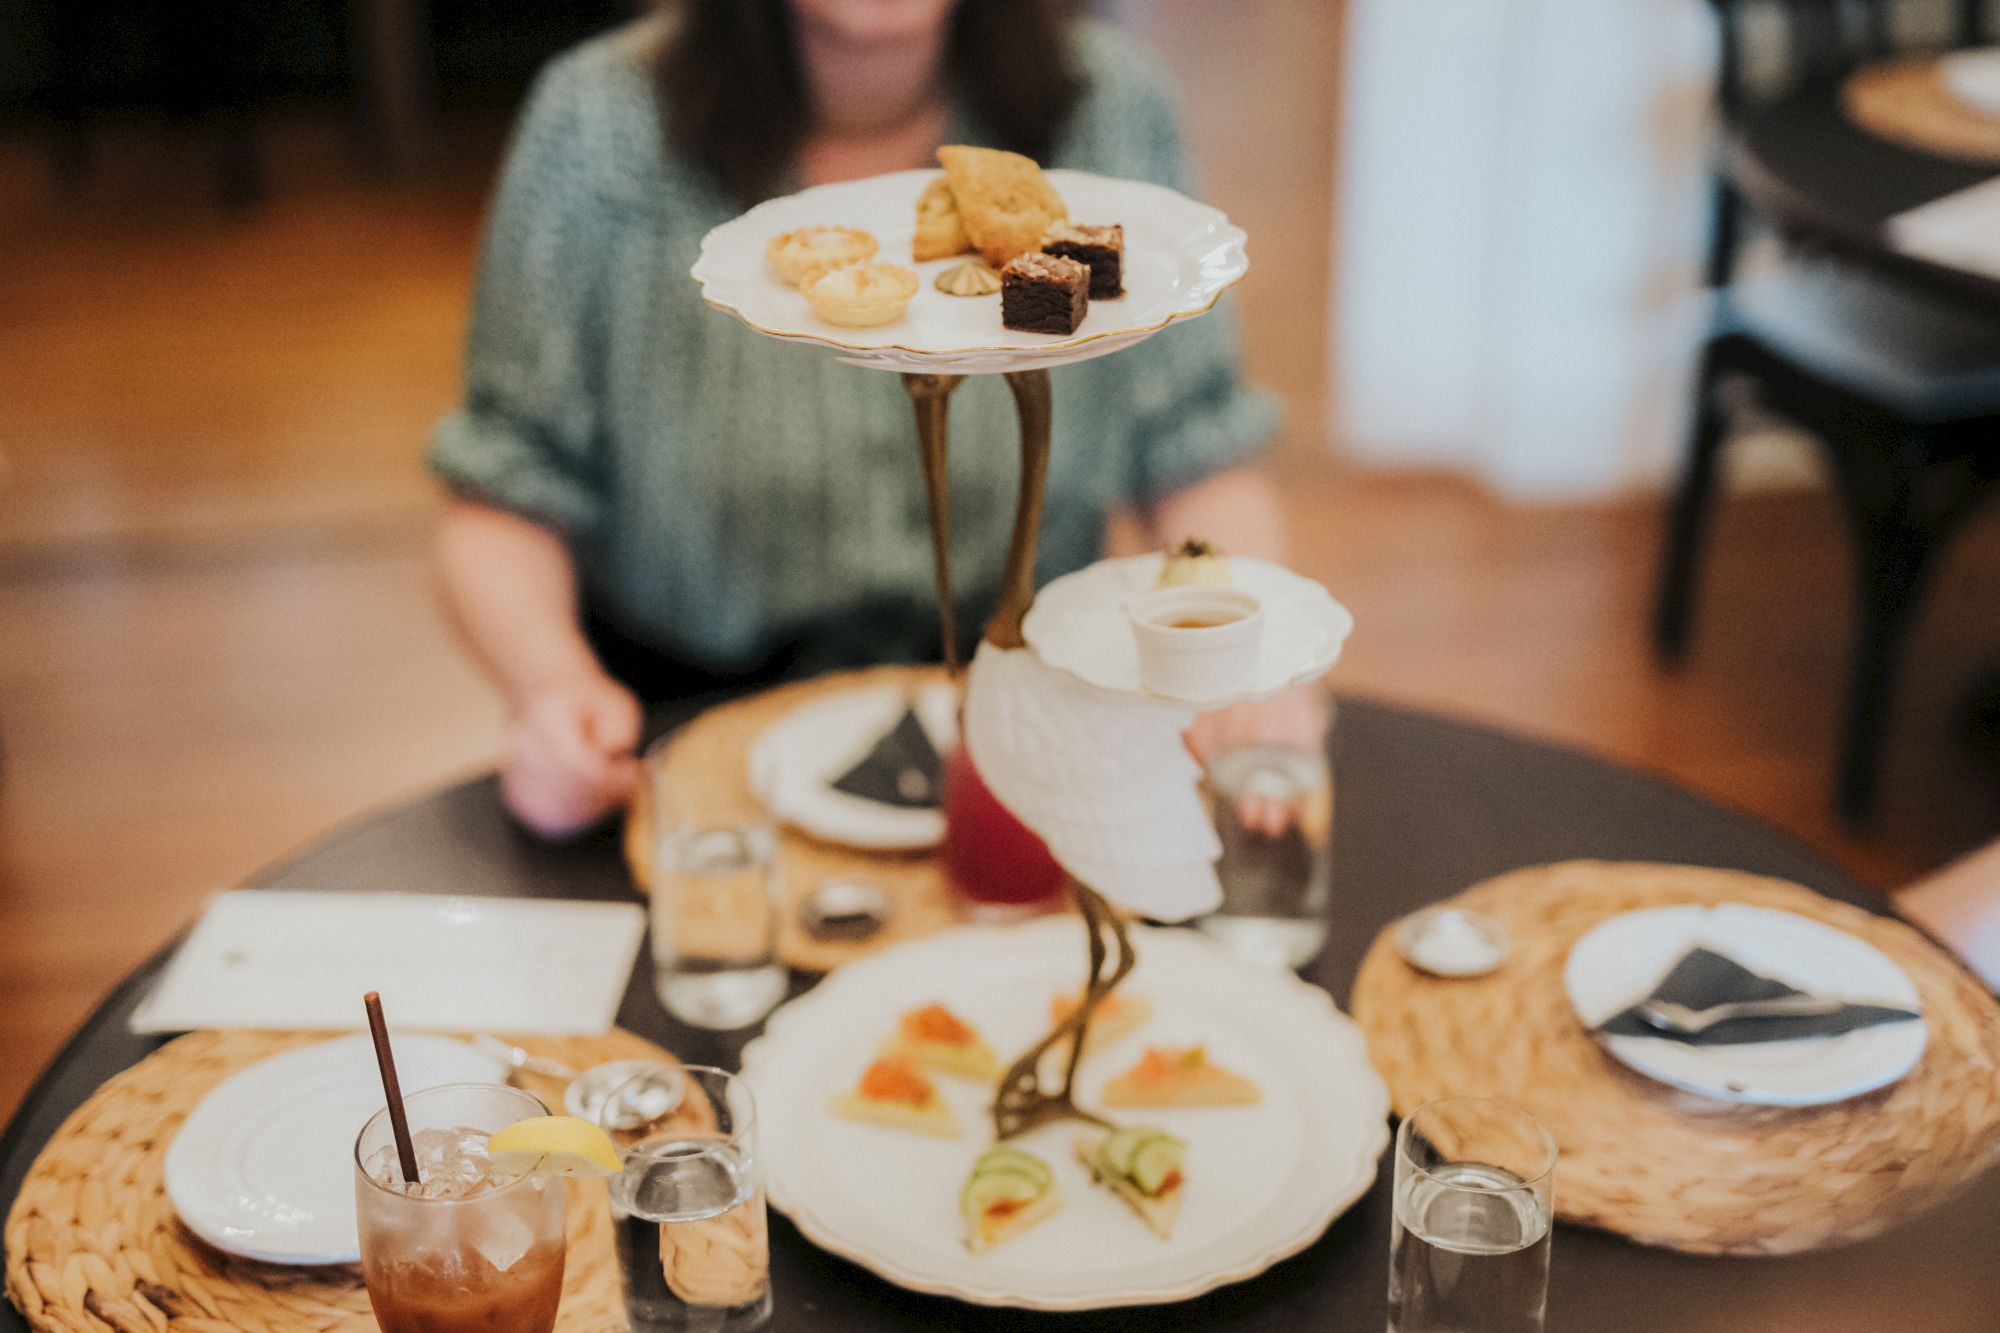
[{"x": 216, "y": 634}]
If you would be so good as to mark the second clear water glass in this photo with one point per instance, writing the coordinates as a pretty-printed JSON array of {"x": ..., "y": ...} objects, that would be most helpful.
[
  {"x": 716, "y": 897},
  {"x": 1474, "y": 1214},
  {"x": 693, "y": 1241},
  {"x": 1273, "y": 811}
]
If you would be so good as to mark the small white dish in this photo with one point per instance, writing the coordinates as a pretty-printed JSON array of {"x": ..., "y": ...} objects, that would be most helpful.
[
  {"x": 1078, "y": 624},
  {"x": 1264, "y": 1181},
  {"x": 1452, "y": 942},
  {"x": 1197, "y": 642},
  {"x": 263, "y": 1167},
  {"x": 1180, "y": 256},
  {"x": 1622, "y": 960},
  {"x": 1973, "y": 77},
  {"x": 796, "y": 760}
]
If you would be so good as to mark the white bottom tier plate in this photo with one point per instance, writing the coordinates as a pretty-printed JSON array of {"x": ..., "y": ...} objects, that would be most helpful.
[{"x": 1264, "y": 1181}]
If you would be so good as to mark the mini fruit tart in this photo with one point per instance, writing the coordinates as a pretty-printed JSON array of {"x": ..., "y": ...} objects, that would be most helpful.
[
  {"x": 798, "y": 254},
  {"x": 860, "y": 296}
]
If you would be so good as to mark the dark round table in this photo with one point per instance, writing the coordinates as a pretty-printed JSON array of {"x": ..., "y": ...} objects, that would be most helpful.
[
  {"x": 1426, "y": 806},
  {"x": 1803, "y": 164}
]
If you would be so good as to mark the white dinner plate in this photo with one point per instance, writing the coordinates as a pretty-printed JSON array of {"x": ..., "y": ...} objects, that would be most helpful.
[
  {"x": 1973, "y": 77},
  {"x": 1079, "y": 624},
  {"x": 263, "y": 1167},
  {"x": 1180, "y": 256},
  {"x": 1264, "y": 1181},
  {"x": 1619, "y": 963},
  {"x": 795, "y": 761}
]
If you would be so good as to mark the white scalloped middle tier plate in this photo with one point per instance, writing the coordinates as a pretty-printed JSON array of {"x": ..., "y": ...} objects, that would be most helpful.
[
  {"x": 1180, "y": 256},
  {"x": 1078, "y": 624},
  {"x": 1264, "y": 1181}
]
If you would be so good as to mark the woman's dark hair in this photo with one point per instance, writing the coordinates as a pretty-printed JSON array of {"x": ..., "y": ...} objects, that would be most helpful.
[{"x": 736, "y": 102}]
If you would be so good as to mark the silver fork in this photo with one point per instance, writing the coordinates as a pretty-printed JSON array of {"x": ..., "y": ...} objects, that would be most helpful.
[{"x": 1670, "y": 1017}]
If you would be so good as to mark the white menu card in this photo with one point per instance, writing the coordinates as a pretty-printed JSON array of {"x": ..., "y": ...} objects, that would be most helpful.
[{"x": 279, "y": 959}]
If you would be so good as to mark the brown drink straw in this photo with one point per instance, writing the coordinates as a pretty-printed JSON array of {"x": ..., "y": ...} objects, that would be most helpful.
[{"x": 399, "y": 1124}]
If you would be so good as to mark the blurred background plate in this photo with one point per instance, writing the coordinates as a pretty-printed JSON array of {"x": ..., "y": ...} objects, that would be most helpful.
[
  {"x": 1620, "y": 962},
  {"x": 1263, "y": 1181},
  {"x": 1180, "y": 256},
  {"x": 1973, "y": 77},
  {"x": 796, "y": 760}
]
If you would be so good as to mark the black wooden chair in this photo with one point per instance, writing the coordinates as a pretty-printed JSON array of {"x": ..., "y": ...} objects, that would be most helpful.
[{"x": 1901, "y": 387}]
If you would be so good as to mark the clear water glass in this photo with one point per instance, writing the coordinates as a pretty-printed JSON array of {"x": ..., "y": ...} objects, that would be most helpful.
[
  {"x": 716, "y": 897},
  {"x": 1273, "y": 810},
  {"x": 467, "y": 1248},
  {"x": 1474, "y": 1214},
  {"x": 692, "y": 1237}
]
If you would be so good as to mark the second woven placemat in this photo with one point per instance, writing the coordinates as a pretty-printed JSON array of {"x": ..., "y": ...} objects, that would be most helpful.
[
  {"x": 707, "y": 764},
  {"x": 1907, "y": 102},
  {"x": 93, "y": 1245},
  {"x": 1665, "y": 1167}
]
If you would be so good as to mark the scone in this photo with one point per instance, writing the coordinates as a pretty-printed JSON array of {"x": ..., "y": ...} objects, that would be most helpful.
[
  {"x": 940, "y": 230},
  {"x": 895, "y": 1093},
  {"x": 938, "y": 1039},
  {"x": 1007, "y": 1192},
  {"x": 1179, "y": 1076},
  {"x": 799, "y": 254},
  {"x": 1005, "y": 201},
  {"x": 1144, "y": 1167},
  {"x": 860, "y": 296}
]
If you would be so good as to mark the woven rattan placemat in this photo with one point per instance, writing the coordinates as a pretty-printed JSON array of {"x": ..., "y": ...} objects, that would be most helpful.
[
  {"x": 1665, "y": 1167},
  {"x": 92, "y": 1243},
  {"x": 1906, "y": 102},
  {"x": 707, "y": 764}
]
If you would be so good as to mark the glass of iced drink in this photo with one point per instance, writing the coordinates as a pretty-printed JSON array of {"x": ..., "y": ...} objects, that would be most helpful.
[
  {"x": 468, "y": 1247},
  {"x": 1474, "y": 1211},
  {"x": 693, "y": 1245}
]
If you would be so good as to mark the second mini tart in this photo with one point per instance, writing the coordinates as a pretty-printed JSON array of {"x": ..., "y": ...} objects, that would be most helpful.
[{"x": 860, "y": 296}]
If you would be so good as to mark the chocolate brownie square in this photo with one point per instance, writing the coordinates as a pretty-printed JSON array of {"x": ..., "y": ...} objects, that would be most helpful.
[
  {"x": 1044, "y": 293},
  {"x": 1103, "y": 248}
]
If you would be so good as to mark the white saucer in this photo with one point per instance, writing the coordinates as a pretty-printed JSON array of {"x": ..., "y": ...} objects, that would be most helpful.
[
  {"x": 1264, "y": 1181},
  {"x": 1973, "y": 77},
  {"x": 1620, "y": 962},
  {"x": 263, "y": 1167},
  {"x": 794, "y": 762},
  {"x": 1078, "y": 624},
  {"x": 1180, "y": 256}
]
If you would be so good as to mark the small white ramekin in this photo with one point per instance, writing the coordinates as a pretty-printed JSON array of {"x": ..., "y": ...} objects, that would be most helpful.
[{"x": 1206, "y": 662}]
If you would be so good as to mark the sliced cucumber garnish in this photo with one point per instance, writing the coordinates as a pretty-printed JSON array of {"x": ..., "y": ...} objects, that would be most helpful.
[
  {"x": 1156, "y": 1159},
  {"x": 984, "y": 1190},
  {"x": 1120, "y": 1145},
  {"x": 1013, "y": 1159}
]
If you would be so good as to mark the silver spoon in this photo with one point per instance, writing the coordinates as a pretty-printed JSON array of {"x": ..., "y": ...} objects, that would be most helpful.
[
  {"x": 1670, "y": 1017},
  {"x": 589, "y": 1091}
]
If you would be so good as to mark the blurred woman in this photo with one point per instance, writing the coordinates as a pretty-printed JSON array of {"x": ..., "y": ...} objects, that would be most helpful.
[{"x": 650, "y": 500}]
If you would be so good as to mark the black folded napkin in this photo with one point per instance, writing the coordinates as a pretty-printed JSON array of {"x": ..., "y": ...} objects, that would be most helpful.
[
  {"x": 902, "y": 769},
  {"x": 1703, "y": 979}
]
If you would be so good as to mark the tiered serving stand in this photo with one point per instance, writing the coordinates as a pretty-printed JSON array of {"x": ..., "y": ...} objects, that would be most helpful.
[{"x": 1180, "y": 258}]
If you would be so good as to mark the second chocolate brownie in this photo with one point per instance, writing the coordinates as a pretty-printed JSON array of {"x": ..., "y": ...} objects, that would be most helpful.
[
  {"x": 1102, "y": 248},
  {"x": 1044, "y": 293}
]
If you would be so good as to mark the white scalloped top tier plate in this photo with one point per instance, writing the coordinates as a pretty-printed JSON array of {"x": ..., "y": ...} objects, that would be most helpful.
[
  {"x": 1621, "y": 960},
  {"x": 795, "y": 761},
  {"x": 1180, "y": 256},
  {"x": 1264, "y": 1181},
  {"x": 263, "y": 1167},
  {"x": 1078, "y": 624}
]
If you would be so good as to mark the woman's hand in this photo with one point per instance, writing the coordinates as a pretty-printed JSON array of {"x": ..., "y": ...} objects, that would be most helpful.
[{"x": 571, "y": 754}]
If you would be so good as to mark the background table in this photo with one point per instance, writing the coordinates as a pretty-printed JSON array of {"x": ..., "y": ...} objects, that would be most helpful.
[
  {"x": 1803, "y": 164},
  {"x": 1424, "y": 807}
]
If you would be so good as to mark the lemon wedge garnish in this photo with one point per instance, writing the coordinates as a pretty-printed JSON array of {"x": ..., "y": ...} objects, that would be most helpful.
[{"x": 555, "y": 1145}]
